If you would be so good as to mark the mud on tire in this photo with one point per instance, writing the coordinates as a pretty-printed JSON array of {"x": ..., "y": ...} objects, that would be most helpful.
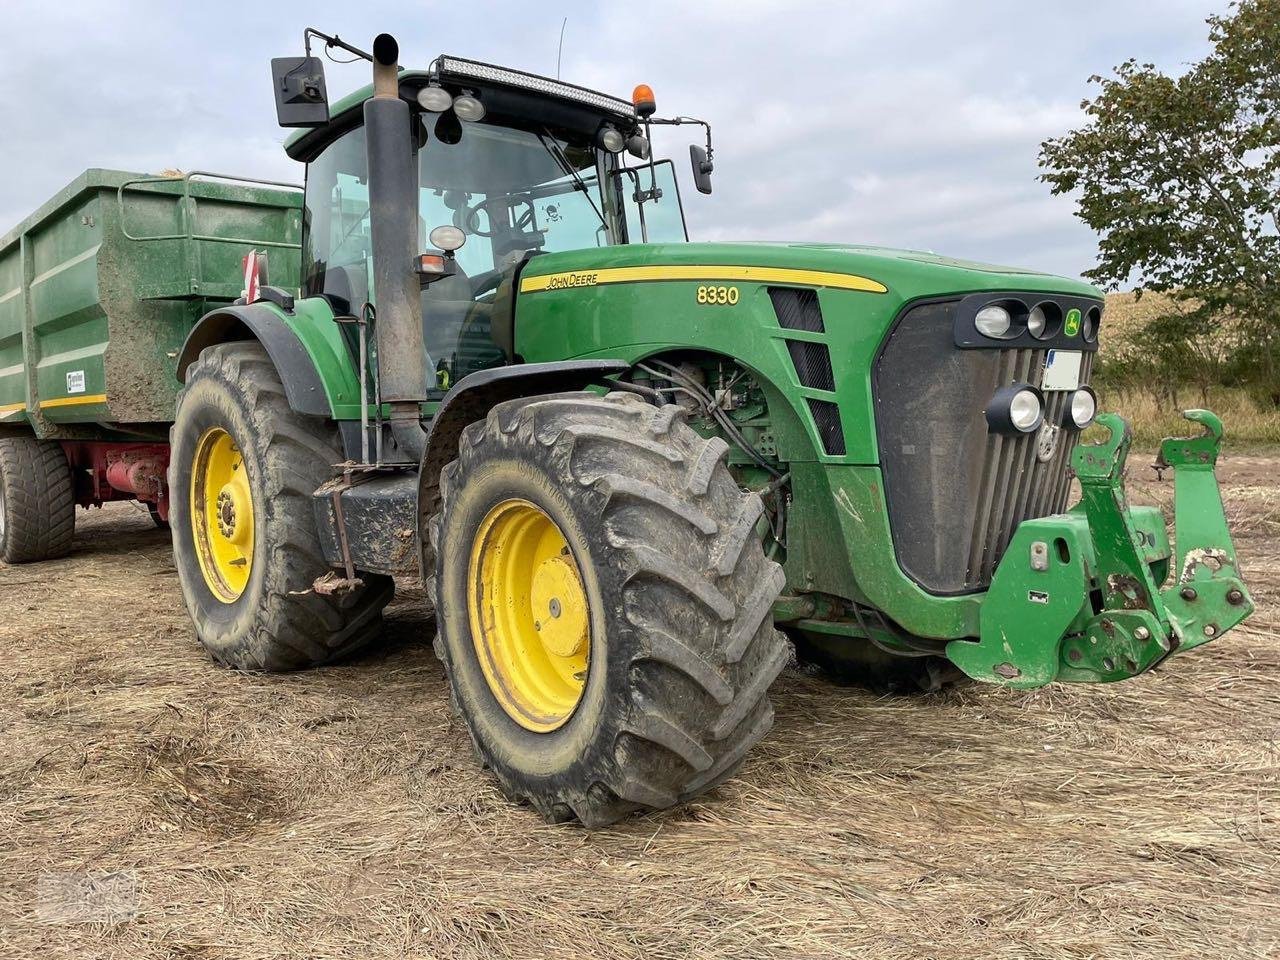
[
  {"x": 37, "y": 501},
  {"x": 277, "y": 622},
  {"x": 682, "y": 643}
]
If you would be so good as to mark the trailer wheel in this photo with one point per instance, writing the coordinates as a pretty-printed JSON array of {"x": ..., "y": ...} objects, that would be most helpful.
[
  {"x": 603, "y": 605},
  {"x": 242, "y": 471},
  {"x": 37, "y": 501}
]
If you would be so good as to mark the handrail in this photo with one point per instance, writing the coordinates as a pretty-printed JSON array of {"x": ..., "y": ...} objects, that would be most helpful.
[{"x": 186, "y": 197}]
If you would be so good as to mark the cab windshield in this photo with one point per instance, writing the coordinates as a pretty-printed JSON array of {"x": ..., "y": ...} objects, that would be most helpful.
[{"x": 515, "y": 192}]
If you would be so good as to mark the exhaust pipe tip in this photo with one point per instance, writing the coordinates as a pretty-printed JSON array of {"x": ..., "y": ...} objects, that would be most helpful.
[{"x": 386, "y": 52}]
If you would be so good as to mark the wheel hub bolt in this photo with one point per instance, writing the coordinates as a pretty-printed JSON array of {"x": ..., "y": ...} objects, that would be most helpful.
[
  {"x": 1188, "y": 593},
  {"x": 554, "y": 606},
  {"x": 226, "y": 514},
  {"x": 1142, "y": 633},
  {"x": 1235, "y": 597}
]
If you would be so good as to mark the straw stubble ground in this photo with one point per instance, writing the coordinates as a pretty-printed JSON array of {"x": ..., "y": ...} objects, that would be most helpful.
[{"x": 339, "y": 812}]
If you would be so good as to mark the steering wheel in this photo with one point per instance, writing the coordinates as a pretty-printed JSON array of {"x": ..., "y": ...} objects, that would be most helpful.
[{"x": 493, "y": 207}]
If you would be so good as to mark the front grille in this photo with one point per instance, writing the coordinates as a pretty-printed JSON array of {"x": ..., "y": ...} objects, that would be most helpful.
[
  {"x": 1016, "y": 485},
  {"x": 956, "y": 491}
]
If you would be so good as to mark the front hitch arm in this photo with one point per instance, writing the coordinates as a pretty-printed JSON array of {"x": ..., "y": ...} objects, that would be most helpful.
[
  {"x": 1207, "y": 596},
  {"x": 1046, "y": 625},
  {"x": 1142, "y": 622}
]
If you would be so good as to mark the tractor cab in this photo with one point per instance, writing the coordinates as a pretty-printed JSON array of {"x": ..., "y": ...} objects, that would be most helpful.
[{"x": 509, "y": 166}]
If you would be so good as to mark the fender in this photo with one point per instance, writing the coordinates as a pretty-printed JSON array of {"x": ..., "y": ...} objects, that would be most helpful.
[
  {"x": 470, "y": 399},
  {"x": 266, "y": 323}
]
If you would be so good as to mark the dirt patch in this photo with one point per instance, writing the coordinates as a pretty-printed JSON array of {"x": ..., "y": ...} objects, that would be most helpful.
[{"x": 340, "y": 813}]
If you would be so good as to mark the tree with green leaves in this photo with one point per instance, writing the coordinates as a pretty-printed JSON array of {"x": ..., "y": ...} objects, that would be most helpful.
[{"x": 1180, "y": 176}]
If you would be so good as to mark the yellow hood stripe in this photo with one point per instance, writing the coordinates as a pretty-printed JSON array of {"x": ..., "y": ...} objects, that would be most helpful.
[{"x": 807, "y": 278}]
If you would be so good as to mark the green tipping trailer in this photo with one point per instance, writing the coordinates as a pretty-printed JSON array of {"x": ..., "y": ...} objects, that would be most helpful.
[{"x": 101, "y": 285}]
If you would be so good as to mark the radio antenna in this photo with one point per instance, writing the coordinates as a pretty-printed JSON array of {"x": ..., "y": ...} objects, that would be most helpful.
[{"x": 560, "y": 49}]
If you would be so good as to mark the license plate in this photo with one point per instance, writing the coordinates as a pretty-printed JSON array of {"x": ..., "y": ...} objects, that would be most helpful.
[{"x": 1062, "y": 370}]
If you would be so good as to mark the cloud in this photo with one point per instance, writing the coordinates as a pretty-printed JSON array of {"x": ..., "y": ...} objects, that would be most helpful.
[{"x": 915, "y": 124}]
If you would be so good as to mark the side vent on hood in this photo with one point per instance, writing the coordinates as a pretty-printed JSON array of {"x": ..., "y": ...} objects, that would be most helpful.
[{"x": 797, "y": 309}]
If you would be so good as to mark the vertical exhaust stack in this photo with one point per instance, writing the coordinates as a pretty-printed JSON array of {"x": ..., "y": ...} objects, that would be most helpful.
[{"x": 393, "y": 210}]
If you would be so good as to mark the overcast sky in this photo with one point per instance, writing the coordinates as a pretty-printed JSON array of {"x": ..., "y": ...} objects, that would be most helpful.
[{"x": 913, "y": 123}]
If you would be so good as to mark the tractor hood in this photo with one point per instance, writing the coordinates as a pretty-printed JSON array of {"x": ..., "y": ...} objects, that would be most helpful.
[{"x": 901, "y": 274}]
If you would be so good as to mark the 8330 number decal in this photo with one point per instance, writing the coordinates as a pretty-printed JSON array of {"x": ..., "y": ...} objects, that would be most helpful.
[{"x": 718, "y": 296}]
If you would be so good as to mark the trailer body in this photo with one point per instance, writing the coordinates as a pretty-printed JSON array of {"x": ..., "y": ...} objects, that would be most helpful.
[{"x": 101, "y": 285}]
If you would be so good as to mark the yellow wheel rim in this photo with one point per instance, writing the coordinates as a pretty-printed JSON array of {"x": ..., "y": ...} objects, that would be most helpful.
[
  {"x": 530, "y": 620},
  {"x": 222, "y": 521}
]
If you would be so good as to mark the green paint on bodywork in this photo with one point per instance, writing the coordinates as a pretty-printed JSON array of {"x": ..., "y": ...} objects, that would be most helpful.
[
  {"x": 312, "y": 321},
  {"x": 633, "y": 320}
]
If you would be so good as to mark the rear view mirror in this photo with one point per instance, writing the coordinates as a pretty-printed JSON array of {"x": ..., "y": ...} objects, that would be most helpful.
[
  {"x": 301, "y": 99},
  {"x": 702, "y": 167}
]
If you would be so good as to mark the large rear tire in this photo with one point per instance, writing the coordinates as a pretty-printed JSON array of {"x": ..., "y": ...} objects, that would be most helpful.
[
  {"x": 242, "y": 471},
  {"x": 37, "y": 501},
  {"x": 626, "y": 518}
]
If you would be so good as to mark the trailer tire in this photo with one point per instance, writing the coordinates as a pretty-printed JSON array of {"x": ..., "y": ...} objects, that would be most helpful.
[
  {"x": 675, "y": 628},
  {"x": 272, "y": 619},
  {"x": 37, "y": 501}
]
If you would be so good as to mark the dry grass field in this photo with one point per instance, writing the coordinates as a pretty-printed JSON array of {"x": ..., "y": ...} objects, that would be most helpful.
[{"x": 339, "y": 812}]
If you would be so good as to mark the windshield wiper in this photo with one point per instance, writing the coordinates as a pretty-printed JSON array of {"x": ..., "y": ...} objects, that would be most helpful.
[{"x": 549, "y": 144}]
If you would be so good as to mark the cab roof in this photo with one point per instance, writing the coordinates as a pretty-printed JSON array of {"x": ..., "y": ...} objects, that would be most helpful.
[{"x": 505, "y": 92}]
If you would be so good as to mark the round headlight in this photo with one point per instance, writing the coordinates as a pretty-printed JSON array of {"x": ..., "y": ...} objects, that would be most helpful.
[
  {"x": 612, "y": 140},
  {"x": 1038, "y": 323},
  {"x": 1089, "y": 328},
  {"x": 468, "y": 108},
  {"x": 1083, "y": 407},
  {"x": 447, "y": 238},
  {"x": 434, "y": 99},
  {"x": 1017, "y": 408},
  {"x": 1025, "y": 410},
  {"x": 993, "y": 321},
  {"x": 638, "y": 146}
]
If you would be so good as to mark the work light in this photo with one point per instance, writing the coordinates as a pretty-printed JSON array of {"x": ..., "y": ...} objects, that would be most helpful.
[
  {"x": 434, "y": 99},
  {"x": 1083, "y": 407},
  {"x": 611, "y": 140},
  {"x": 447, "y": 238},
  {"x": 468, "y": 108},
  {"x": 993, "y": 321},
  {"x": 458, "y": 66},
  {"x": 1017, "y": 408}
]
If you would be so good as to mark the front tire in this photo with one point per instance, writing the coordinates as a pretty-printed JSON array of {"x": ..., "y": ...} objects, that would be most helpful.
[
  {"x": 242, "y": 471},
  {"x": 668, "y": 690},
  {"x": 37, "y": 501}
]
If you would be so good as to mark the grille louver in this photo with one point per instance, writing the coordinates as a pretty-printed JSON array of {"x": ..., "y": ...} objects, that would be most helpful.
[
  {"x": 797, "y": 309},
  {"x": 813, "y": 364}
]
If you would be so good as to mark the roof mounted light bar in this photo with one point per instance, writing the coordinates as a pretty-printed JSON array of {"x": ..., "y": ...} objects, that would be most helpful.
[{"x": 459, "y": 67}]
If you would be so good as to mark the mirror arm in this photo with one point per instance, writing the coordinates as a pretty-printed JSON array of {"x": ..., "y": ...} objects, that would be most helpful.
[
  {"x": 330, "y": 42},
  {"x": 680, "y": 121}
]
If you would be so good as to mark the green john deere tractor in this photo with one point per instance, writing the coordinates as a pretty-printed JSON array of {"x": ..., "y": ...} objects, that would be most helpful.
[{"x": 630, "y": 467}]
